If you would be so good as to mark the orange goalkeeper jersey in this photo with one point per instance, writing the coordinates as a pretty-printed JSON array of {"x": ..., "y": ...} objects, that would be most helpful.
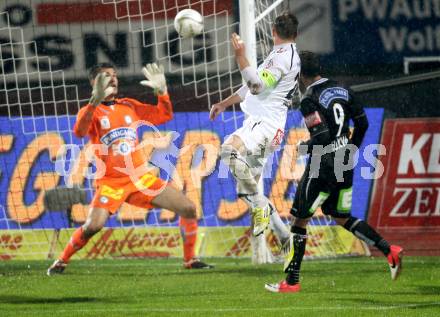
[{"x": 113, "y": 126}]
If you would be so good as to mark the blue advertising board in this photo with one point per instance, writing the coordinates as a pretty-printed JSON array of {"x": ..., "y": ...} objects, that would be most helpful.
[
  {"x": 365, "y": 33},
  {"x": 378, "y": 32},
  {"x": 27, "y": 164}
]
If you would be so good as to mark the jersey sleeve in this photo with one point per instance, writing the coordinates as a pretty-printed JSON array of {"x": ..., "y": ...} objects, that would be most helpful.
[
  {"x": 356, "y": 109},
  {"x": 360, "y": 120},
  {"x": 274, "y": 69},
  {"x": 242, "y": 91},
  {"x": 84, "y": 124},
  {"x": 313, "y": 119},
  {"x": 315, "y": 123},
  {"x": 155, "y": 114}
]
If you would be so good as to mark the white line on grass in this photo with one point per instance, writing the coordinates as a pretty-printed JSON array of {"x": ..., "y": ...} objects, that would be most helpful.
[
  {"x": 240, "y": 309},
  {"x": 117, "y": 262}
]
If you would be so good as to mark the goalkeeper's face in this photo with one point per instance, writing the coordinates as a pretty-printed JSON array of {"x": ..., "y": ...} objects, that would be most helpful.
[{"x": 113, "y": 82}]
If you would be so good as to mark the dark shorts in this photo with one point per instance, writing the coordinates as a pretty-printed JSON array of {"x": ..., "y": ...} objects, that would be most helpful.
[{"x": 323, "y": 191}]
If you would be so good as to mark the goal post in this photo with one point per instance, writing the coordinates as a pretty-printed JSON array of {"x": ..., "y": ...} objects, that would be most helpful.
[
  {"x": 248, "y": 31},
  {"x": 261, "y": 253}
]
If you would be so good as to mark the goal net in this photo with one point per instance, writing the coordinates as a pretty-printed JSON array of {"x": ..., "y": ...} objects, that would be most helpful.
[{"x": 46, "y": 49}]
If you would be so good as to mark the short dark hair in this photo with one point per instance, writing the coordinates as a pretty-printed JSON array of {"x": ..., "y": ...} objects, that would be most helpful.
[
  {"x": 97, "y": 68},
  {"x": 310, "y": 64},
  {"x": 286, "y": 25}
]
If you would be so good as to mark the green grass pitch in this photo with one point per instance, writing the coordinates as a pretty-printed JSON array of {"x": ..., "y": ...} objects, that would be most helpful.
[{"x": 161, "y": 287}]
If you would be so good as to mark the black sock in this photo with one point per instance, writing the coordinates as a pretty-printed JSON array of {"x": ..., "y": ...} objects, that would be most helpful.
[
  {"x": 299, "y": 247},
  {"x": 366, "y": 233}
]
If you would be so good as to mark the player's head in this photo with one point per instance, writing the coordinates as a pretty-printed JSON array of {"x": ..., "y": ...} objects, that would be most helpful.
[
  {"x": 110, "y": 70},
  {"x": 285, "y": 27},
  {"x": 310, "y": 67}
]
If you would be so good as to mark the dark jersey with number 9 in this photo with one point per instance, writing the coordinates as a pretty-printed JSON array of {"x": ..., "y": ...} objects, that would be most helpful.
[
  {"x": 328, "y": 105},
  {"x": 327, "y": 108}
]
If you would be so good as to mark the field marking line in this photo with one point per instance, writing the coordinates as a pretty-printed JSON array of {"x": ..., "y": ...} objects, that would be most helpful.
[
  {"x": 240, "y": 262},
  {"x": 240, "y": 309}
]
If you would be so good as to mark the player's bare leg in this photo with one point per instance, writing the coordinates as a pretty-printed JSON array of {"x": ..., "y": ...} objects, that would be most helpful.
[
  {"x": 96, "y": 220},
  {"x": 233, "y": 154},
  {"x": 174, "y": 200},
  {"x": 366, "y": 233}
]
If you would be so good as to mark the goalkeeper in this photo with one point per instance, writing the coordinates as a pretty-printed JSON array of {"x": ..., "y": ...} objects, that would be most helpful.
[
  {"x": 110, "y": 123},
  {"x": 264, "y": 99}
]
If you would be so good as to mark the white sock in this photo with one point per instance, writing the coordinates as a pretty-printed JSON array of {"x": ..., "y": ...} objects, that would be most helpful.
[
  {"x": 261, "y": 253},
  {"x": 277, "y": 225}
]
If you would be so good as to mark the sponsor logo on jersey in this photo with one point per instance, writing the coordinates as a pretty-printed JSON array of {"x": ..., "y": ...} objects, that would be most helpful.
[
  {"x": 312, "y": 119},
  {"x": 128, "y": 119},
  {"x": 329, "y": 94},
  {"x": 278, "y": 139},
  {"x": 103, "y": 199},
  {"x": 124, "y": 148},
  {"x": 269, "y": 63},
  {"x": 105, "y": 122},
  {"x": 339, "y": 143},
  {"x": 119, "y": 134}
]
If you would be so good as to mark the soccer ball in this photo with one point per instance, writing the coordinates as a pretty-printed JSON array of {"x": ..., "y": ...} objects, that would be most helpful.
[{"x": 188, "y": 23}]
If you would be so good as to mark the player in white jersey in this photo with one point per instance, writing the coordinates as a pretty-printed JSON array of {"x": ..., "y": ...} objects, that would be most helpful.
[{"x": 264, "y": 99}]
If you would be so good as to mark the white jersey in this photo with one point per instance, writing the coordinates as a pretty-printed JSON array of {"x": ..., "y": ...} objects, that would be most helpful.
[{"x": 271, "y": 105}]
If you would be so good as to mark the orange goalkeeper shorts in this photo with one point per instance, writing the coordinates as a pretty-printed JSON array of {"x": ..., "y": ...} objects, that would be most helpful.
[{"x": 112, "y": 192}]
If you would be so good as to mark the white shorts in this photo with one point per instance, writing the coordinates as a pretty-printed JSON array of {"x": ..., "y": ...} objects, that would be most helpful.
[{"x": 260, "y": 139}]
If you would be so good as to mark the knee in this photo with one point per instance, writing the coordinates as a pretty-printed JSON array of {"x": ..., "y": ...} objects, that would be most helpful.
[
  {"x": 341, "y": 221},
  {"x": 350, "y": 223},
  {"x": 226, "y": 150},
  {"x": 188, "y": 210},
  {"x": 91, "y": 228},
  {"x": 301, "y": 223}
]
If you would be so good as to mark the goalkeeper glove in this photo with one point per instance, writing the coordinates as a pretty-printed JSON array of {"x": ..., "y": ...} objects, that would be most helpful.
[
  {"x": 155, "y": 78},
  {"x": 101, "y": 89}
]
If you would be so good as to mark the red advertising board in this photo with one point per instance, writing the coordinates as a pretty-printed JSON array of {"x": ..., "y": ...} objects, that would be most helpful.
[
  {"x": 80, "y": 11},
  {"x": 406, "y": 198}
]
